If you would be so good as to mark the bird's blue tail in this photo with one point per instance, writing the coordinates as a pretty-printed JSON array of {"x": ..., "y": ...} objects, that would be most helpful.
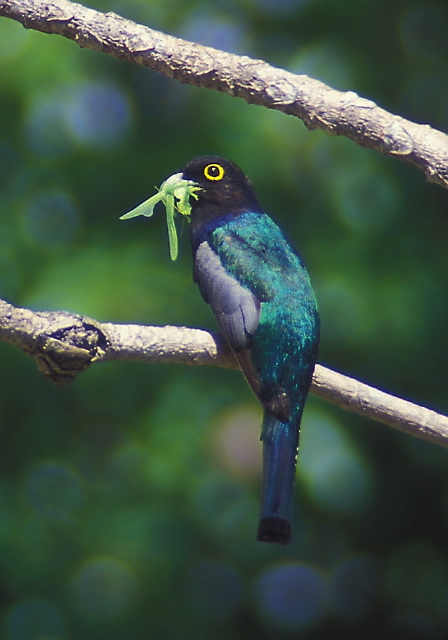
[{"x": 280, "y": 442}]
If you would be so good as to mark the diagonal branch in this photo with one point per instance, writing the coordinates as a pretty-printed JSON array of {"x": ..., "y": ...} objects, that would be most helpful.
[
  {"x": 64, "y": 344},
  {"x": 319, "y": 106}
]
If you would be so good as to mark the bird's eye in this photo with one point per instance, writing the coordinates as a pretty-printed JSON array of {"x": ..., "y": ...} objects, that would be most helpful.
[{"x": 214, "y": 172}]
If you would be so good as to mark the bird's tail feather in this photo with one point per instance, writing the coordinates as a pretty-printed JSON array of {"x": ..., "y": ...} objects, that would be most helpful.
[{"x": 280, "y": 442}]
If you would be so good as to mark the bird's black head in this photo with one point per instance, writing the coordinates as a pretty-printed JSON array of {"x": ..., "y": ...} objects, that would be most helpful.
[{"x": 225, "y": 190}]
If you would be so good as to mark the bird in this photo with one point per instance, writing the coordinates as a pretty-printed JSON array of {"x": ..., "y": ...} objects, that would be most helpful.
[{"x": 260, "y": 294}]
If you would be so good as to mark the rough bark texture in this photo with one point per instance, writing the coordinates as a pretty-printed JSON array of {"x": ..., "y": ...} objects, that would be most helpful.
[
  {"x": 319, "y": 106},
  {"x": 64, "y": 344}
]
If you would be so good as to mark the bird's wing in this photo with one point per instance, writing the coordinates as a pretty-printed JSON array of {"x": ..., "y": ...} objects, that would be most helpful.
[{"x": 235, "y": 307}]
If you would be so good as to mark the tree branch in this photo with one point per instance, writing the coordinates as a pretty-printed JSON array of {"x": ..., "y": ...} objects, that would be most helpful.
[
  {"x": 319, "y": 106},
  {"x": 64, "y": 344}
]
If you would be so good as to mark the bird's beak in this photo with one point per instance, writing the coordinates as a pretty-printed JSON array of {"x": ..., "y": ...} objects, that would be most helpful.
[
  {"x": 175, "y": 188},
  {"x": 175, "y": 194}
]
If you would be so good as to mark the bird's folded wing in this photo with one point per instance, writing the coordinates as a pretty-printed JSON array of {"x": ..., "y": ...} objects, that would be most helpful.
[{"x": 235, "y": 307}]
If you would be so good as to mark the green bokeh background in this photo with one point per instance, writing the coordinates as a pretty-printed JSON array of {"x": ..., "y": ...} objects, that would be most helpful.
[{"x": 129, "y": 499}]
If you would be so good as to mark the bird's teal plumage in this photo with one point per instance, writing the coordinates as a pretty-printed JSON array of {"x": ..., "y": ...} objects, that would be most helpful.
[
  {"x": 260, "y": 293},
  {"x": 255, "y": 252}
]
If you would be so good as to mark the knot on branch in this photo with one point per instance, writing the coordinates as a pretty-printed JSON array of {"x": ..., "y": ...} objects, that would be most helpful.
[{"x": 62, "y": 353}]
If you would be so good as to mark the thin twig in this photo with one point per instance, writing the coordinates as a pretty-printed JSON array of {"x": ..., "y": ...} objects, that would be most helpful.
[
  {"x": 64, "y": 344},
  {"x": 319, "y": 106}
]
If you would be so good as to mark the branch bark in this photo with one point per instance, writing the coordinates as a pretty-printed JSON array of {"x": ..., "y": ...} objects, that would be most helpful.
[
  {"x": 64, "y": 344},
  {"x": 319, "y": 106}
]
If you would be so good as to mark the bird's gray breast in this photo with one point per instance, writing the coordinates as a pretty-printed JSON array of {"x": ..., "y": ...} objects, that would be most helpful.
[{"x": 235, "y": 307}]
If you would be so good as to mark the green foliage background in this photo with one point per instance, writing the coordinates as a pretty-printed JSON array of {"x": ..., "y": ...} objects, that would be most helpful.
[{"x": 129, "y": 500}]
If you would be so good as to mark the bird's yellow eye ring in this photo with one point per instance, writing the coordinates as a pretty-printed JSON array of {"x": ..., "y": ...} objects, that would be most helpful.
[{"x": 214, "y": 172}]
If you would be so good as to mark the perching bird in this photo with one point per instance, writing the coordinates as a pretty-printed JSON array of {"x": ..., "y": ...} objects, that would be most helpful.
[{"x": 260, "y": 293}]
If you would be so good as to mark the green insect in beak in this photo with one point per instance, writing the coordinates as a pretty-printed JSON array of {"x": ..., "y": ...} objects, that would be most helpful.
[{"x": 175, "y": 188}]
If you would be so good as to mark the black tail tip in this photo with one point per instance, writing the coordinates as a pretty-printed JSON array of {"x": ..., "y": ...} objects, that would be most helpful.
[{"x": 274, "y": 531}]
